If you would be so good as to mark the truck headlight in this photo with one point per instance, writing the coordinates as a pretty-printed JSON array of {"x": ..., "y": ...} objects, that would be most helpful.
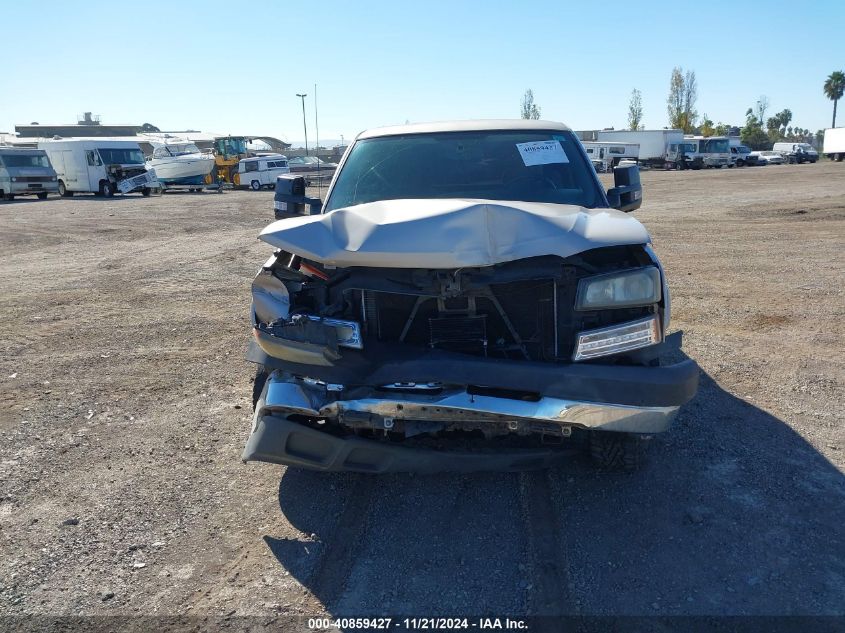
[
  {"x": 617, "y": 338},
  {"x": 14, "y": 179},
  {"x": 618, "y": 290}
]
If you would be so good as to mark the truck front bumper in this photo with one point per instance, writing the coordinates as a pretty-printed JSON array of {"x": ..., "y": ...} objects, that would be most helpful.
[
  {"x": 278, "y": 438},
  {"x": 26, "y": 188}
]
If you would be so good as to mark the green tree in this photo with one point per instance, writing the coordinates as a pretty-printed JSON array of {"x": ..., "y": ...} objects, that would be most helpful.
[
  {"x": 762, "y": 106},
  {"x": 635, "y": 110},
  {"x": 834, "y": 88},
  {"x": 680, "y": 104},
  {"x": 722, "y": 129},
  {"x": 707, "y": 127},
  {"x": 752, "y": 134},
  {"x": 530, "y": 110},
  {"x": 149, "y": 127}
]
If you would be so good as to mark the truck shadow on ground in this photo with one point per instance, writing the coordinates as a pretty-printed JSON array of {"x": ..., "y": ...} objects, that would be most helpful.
[{"x": 735, "y": 514}]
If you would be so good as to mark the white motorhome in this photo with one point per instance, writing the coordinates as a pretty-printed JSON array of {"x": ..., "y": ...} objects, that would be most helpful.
[
  {"x": 834, "y": 143},
  {"x": 25, "y": 172},
  {"x": 99, "y": 166},
  {"x": 797, "y": 152},
  {"x": 261, "y": 171},
  {"x": 606, "y": 155},
  {"x": 655, "y": 145},
  {"x": 715, "y": 151}
]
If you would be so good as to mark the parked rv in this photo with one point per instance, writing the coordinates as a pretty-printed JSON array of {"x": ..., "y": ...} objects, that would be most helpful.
[
  {"x": 26, "y": 172},
  {"x": 605, "y": 155},
  {"x": 797, "y": 152},
  {"x": 714, "y": 150},
  {"x": 99, "y": 166},
  {"x": 834, "y": 143},
  {"x": 261, "y": 171},
  {"x": 654, "y": 144}
]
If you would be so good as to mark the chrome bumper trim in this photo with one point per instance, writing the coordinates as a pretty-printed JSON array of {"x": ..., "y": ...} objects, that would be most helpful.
[{"x": 286, "y": 395}]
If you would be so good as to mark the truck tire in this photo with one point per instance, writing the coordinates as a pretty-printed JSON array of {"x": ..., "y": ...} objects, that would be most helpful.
[
  {"x": 146, "y": 192},
  {"x": 106, "y": 189},
  {"x": 258, "y": 383},
  {"x": 41, "y": 195},
  {"x": 255, "y": 185},
  {"x": 63, "y": 192},
  {"x": 617, "y": 451},
  {"x": 8, "y": 196}
]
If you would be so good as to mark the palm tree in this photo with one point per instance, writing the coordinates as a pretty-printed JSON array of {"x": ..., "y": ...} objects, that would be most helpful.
[{"x": 834, "y": 88}]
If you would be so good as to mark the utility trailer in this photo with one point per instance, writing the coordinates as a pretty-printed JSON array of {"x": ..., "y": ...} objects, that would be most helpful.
[
  {"x": 834, "y": 143},
  {"x": 655, "y": 146}
]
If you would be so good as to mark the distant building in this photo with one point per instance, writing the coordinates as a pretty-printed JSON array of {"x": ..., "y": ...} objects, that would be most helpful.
[{"x": 87, "y": 125}]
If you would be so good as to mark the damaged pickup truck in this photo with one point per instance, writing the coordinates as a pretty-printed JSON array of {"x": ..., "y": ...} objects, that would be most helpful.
[{"x": 468, "y": 298}]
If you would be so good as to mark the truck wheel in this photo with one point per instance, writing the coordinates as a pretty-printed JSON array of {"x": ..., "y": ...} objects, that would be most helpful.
[
  {"x": 106, "y": 189},
  {"x": 9, "y": 196},
  {"x": 42, "y": 195},
  {"x": 740, "y": 163},
  {"x": 617, "y": 451},
  {"x": 146, "y": 192},
  {"x": 63, "y": 192},
  {"x": 258, "y": 383},
  {"x": 255, "y": 185}
]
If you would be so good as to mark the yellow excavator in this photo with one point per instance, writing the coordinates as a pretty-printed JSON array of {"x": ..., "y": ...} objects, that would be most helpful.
[{"x": 228, "y": 150}]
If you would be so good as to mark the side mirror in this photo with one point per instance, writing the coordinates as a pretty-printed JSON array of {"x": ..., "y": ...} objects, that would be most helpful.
[
  {"x": 627, "y": 193},
  {"x": 290, "y": 199}
]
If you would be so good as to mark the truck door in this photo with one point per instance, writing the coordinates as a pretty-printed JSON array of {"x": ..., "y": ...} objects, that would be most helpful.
[{"x": 94, "y": 169}]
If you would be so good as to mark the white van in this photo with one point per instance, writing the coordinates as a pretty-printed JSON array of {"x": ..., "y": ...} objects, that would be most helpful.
[
  {"x": 101, "y": 167},
  {"x": 797, "y": 152},
  {"x": 261, "y": 171},
  {"x": 25, "y": 172}
]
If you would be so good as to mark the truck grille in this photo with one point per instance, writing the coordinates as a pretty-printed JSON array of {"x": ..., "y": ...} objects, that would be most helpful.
[{"x": 511, "y": 320}]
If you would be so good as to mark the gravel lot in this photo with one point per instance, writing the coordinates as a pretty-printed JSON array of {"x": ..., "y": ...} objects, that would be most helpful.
[{"x": 125, "y": 403}]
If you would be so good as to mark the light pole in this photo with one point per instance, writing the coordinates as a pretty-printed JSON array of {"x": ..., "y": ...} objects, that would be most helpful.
[{"x": 304, "y": 126}]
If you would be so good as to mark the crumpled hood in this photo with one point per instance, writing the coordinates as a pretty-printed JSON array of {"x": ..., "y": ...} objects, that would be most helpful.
[{"x": 450, "y": 233}]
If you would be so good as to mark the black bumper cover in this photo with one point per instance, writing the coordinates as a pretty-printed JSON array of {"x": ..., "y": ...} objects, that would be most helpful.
[{"x": 639, "y": 386}]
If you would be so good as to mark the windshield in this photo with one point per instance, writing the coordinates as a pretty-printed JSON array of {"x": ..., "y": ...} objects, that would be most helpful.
[
  {"x": 176, "y": 149},
  {"x": 231, "y": 145},
  {"x": 717, "y": 146},
  {"x": 530, "y": 166},
  {"x": 25, "y": 160},
  {"x": 121, "y": 156}
]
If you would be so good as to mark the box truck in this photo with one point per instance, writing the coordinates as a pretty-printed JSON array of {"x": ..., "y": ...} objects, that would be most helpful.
[
  {"x": 834, "y": 143},
  {"x": 25, "y": 172},
  {"x": 99, "y": 166},
  {"x": 655, "y": 145}
]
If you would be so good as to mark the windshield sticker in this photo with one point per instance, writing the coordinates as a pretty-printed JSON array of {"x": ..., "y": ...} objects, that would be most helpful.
[{"x": 541, "y": 153}]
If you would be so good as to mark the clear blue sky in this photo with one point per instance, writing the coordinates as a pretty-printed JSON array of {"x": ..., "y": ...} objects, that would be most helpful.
[{"x": 235, "y": 67}]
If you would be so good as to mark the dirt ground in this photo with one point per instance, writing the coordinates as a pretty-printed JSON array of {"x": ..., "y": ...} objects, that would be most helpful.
[{"x": 125, "y": 403}]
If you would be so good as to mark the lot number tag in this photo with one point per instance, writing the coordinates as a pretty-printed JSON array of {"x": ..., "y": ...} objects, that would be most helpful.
[{"x": 541, "y": 153}]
